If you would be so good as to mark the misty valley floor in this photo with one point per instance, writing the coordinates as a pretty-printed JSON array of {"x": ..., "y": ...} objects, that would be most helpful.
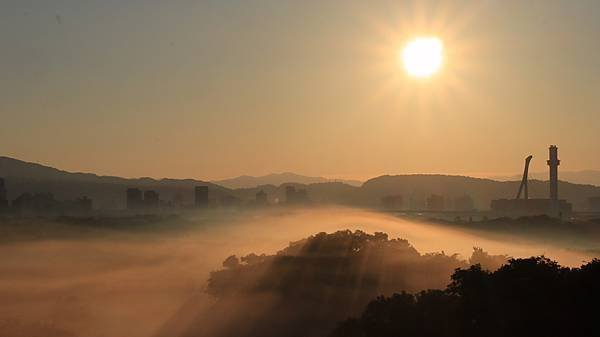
[{"x": 75, "y": 280}]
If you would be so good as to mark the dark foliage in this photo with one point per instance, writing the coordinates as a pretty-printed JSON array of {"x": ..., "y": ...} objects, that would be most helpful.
[
  {"x": 526, "y": 297},
  {"x": 312, "y": 284}
]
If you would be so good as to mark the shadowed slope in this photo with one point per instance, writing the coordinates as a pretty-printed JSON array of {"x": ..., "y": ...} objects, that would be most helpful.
[{"x": 303, "y": 289}]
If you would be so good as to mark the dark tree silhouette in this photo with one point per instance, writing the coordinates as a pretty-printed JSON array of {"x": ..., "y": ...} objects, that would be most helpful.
[
  {"x": 306, "y": 288},
  {"x": 526, "y": 297}
]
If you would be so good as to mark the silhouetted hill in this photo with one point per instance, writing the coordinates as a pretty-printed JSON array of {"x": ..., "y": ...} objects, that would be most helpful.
[
  {"x": 586, "y": 177},
  {"x": 303, "y": 289},
  {"x": 277, "y": 179},
  {"x": 107, "y": 192},
  {"x": 419, "y": 186},
  {"x": 416, "y": 188},
  {"x": 525, "y": 297},
  {"x": 319, "y": 193}
]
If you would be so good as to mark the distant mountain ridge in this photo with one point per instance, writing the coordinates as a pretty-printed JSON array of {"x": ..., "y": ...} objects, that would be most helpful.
[
  {"x": 588, "y": 177},
  {"x": 277, "y": 179},
  {"x": 109, "y": 192},
  {"x": 106, "y": 191},
  {"x": 416, "y": 188},
  {"x": 10, "y": 167}
]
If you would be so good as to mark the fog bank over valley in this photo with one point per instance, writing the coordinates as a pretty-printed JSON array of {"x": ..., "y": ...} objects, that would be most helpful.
[{"x": 81, "y": 280}]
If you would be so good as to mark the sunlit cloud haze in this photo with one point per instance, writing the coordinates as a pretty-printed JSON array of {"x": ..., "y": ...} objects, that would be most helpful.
[{"x": 211, "y": 89}]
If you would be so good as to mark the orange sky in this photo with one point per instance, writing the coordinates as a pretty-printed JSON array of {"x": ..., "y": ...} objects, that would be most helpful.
[{"x": 212, "y": 89}]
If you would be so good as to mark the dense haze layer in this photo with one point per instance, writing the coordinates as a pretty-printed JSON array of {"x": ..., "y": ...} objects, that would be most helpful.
[{"x": 107, "y": 282}]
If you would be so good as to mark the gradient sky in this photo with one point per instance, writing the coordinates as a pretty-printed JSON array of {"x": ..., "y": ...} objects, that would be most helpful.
[{"x": 212, "y": 89}]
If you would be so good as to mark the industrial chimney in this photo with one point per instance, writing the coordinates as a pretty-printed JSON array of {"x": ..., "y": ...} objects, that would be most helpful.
[{"x": 553, "y": 162}]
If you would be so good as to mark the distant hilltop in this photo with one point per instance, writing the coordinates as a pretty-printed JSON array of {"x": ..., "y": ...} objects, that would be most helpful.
[
  {"x": 401, "y": 191},
  {"x": 278, "y": 179},
  {"x": 107, "y": 192},
  {"x": 586, "y": 177}
]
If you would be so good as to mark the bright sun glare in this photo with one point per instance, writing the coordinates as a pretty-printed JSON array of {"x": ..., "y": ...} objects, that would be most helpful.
[{"x": 423, "y": 56}]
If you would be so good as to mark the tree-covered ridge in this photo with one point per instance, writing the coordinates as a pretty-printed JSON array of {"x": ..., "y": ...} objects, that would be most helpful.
[
  {"x": 315, "y": 282},
  {"x": 344, "y": 260},
  {"x": 526, "y": 297}
]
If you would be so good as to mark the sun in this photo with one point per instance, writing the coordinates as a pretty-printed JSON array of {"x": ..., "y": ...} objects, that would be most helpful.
[{"x": 423, "y": 56}]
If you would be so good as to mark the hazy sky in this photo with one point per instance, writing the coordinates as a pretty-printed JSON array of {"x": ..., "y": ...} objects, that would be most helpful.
[{"x": 211, "y": 89}]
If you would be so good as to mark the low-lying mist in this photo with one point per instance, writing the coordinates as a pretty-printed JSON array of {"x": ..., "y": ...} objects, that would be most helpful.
[{"x": 112, "y": 282}]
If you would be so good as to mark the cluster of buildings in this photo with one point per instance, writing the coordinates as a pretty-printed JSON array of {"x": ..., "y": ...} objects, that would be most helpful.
[
  {"x": 149, "y": 200},
  {"x": 42, "y": 203},
  {"x": 521, "y": 205},
  {"x": 136, "y": 199}
]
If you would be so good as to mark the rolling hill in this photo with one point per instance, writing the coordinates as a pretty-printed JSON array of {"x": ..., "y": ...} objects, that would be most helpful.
[
  {"x": 277, "y": 179},
  {"x": 109, "y": 192},
  {"x": 585, "y": 177}
]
